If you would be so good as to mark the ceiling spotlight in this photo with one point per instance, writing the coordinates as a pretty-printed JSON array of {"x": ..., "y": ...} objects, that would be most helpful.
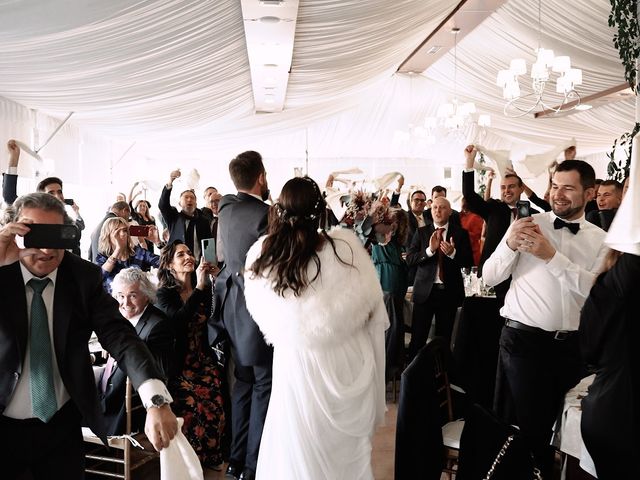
[
  {"x": 270, "y": 19},
  {"x": 271, "y": 3}
]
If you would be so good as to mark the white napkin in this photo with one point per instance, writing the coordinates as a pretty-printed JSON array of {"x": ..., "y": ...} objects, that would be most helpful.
[
  {"x": 538, "y": 164},
  {"x": 499, "y": 157},
  {"x": 624, "y": 232},
  {"x": 384, "y": 181},
  {"x": 179, "y": 461}
]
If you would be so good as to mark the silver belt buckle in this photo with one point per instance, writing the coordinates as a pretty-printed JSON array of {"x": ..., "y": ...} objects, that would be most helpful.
[{"x": 561, "y": 334}]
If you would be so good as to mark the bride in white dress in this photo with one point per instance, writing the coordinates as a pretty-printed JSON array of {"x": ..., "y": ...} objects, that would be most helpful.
[{"x": 316, "y": 297}]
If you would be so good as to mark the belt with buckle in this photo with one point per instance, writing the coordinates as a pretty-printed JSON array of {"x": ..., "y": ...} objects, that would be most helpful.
[{"x": 555, "y": 334}]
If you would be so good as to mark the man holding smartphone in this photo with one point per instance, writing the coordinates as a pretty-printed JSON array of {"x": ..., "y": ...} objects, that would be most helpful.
[
  {"x": 553, "y": 259},
  {"x": 54, "y": 300},
  {"x": 53, "y": 186}
]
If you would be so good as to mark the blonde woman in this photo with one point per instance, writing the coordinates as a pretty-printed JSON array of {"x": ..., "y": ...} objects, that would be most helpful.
[{"x": 117, "y": 252}]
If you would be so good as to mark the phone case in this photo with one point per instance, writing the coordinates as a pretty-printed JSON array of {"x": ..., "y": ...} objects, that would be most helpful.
[
  {"x": 51, "y": 236},
  {"x": 208, "y": 247}
]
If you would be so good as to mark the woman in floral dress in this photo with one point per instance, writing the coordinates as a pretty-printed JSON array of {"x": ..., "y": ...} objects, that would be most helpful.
[{"x": 184, "y": 294}]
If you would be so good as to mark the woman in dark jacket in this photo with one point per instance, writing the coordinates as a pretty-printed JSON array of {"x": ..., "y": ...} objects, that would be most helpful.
[
  {"x": 609, "y": 335},
  {"x": 184, "y": 294}
]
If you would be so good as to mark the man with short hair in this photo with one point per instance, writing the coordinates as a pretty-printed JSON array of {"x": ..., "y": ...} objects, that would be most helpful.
[
  {"x": 135, "y": 295},
  {"x": 498, "y": 214},
  {"x": 553, "y": 259},
  {"x": 608, "y": 197},
  {"x": 210, "y": 210},
  {"x": 53, "y": 186},
  {"x": 436, "y": 192},
  {"x": 187, "y": 225},
  {"x": 438, "y": 250},
  {"x": 243, "y": 219},
  {"x": 46, "y": 381}
]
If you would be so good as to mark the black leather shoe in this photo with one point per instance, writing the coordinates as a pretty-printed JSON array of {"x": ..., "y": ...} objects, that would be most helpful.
[
  {"x": 247, "y": 474},
  {"x": 233, "y": 471}
]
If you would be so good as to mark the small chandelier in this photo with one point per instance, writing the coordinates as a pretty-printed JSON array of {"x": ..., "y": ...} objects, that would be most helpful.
[
  {"x": 546, "y": 63},
  {"x": 455, "y": 115}
]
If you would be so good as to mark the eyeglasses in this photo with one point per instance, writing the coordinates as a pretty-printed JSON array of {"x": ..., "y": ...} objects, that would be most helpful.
[{"x": 419, "y": 200}]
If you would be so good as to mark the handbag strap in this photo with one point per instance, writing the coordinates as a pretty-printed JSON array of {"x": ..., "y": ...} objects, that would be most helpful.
[{"x": 498, "y": 459}]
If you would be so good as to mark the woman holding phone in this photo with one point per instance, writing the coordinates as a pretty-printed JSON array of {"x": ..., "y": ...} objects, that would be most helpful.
[
  {"x": 196, "y": 382},
  {"x": 117, "y": 252}
]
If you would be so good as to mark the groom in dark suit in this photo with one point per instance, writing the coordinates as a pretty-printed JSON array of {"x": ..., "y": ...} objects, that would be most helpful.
[
  {"x": 242, "y": 220},
  {"x": 438, "y": 250},
  {"x": 51, "y": 302}
]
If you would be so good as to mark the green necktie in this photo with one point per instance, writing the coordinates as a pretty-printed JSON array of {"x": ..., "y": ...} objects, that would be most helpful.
[{"x": 43, "y": 394}]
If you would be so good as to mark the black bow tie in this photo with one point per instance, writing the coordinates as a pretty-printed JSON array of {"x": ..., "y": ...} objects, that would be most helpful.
[{"x": 573, "y": 227}]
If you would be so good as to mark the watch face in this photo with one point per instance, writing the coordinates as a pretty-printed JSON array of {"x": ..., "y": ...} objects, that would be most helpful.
[{"x": 158, "y": 400}]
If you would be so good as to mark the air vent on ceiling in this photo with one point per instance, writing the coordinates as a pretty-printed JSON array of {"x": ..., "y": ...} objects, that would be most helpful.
[{"x": 272, "y": 3}]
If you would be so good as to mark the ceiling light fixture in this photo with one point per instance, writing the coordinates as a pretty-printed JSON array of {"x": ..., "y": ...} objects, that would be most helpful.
[
  {"x": 455, "y": 115},
  {"x": 519, "y": 105}
]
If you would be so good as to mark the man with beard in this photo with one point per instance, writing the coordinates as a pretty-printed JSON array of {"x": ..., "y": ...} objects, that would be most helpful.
[
  {"x": 188, "y": 224},
  {"x": 242, "y": 220},
  {"x": 553, "y": 259}
]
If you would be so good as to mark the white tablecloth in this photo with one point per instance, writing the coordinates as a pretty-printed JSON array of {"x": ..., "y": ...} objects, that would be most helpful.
[{"x": 567, "y": 437}]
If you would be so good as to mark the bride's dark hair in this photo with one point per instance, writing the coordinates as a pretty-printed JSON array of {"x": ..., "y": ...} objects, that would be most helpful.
[{"x": 294, "y": 237}]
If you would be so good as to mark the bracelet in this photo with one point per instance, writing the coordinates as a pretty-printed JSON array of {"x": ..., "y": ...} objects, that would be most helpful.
[{"x": 111, "y": 260}]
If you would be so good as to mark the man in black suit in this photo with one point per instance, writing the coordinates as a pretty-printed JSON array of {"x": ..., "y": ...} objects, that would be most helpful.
[
  {"x": 242, "y": 220},
  {"x": 609, "y": 198},
  {"x": 187, "y": 225},
  {"x": 53, "y": 300},
  {"x": 499, "y": 214},
  {"x": 135, "y": 294},
  {"x": 440, "y": 191},
  {"x": 210, "y": 212},
  {"x": 439, "y": 251}
]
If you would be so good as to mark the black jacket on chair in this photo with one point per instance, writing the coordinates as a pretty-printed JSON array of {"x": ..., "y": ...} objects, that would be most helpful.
[
  {"x": 156, "y": 331},
  {"x": 427, "y": 266}
]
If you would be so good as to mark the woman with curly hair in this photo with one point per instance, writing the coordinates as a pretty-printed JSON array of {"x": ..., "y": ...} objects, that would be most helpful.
[
  {"x": 316, "y": 297},
  {"x": 195, "y": 382},
  {"x": 387, "y": 256}
]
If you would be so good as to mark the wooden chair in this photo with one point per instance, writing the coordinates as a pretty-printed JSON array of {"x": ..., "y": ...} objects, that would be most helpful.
[
  {"x": 452, "y": 429},
  {"x": 119, "y": 459}
]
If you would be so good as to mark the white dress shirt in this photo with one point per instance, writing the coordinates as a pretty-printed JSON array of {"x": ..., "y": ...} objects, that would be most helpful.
[
  {"x": 431, "y": 254},
  {"x": 20, "y": 406},
  {"x": 419, "y": 219},
  {"x": 549, "y": 295}
]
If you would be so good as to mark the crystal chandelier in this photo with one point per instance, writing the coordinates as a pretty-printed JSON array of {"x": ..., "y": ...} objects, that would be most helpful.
[
  {"x": 546, "y": 64},
  {"x": 455, "y": 115}
]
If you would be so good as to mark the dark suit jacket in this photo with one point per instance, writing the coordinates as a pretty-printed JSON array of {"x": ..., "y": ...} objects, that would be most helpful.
[
  {"x": 601, "y": 218},
  {"x": 427, "y": 266},
  {"x": 181, "y": 316},
  {"x": 80, "y": 306},
  {"x": 242, "y": 220},
  {"x": 155, "y": 330},
  {"x": 9, "y": 188},
  {"x": 176, "y": 220}
]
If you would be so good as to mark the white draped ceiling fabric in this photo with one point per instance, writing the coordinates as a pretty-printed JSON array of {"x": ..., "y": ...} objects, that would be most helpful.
[{"x": 173, "y": 77}]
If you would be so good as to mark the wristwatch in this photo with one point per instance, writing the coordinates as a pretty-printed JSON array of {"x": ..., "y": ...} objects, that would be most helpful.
[{"x": 158, "y": 401}]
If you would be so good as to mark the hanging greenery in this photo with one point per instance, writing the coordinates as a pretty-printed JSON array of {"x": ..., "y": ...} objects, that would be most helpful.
[
  {"x": 482, "y": 175},
  {"x": 618, "y": 170},
  {"x": 623, "y": 16}
]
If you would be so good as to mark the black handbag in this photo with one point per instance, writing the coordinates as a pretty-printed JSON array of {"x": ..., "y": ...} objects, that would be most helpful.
[{"x": 493, "y": 450}]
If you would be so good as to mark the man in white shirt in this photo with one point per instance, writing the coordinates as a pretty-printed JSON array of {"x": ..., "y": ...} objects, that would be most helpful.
[
  {"x": 553, "y": 259},
  {"x": 52, "y": 301}
]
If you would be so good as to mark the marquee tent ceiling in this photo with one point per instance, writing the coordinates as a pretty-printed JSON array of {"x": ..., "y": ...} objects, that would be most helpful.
[{"x": 173, "y": 75}]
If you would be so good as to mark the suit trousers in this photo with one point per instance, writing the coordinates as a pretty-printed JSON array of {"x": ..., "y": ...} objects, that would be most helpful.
[
  {"x": 443, "y": 307},
  {"x": 535, "y": 371},
  {"x": 45, "y": 450},
  {"x": 249, "y": 402}
]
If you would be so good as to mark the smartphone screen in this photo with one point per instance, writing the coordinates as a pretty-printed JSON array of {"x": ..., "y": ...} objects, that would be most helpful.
[
  {"x": 139, "y": 230},
  {"x": 523, "y": 207},
  {"x": 208, "y": 248},
  {"x": 68, "y": 201},
  {"x": 51, "y": 236}
]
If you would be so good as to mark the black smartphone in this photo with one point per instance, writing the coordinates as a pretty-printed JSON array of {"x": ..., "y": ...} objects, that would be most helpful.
[
  {"x": 523, "y": 208},
  {"x": 139, "y": 230},
  {"x": 69, "y": 201},
  {"x": 208, "y": 247},
  {"x": 43, "y": 235}
]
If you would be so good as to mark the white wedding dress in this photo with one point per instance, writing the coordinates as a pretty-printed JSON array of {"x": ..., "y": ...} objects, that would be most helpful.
[{"x": 328, "y": 367}]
